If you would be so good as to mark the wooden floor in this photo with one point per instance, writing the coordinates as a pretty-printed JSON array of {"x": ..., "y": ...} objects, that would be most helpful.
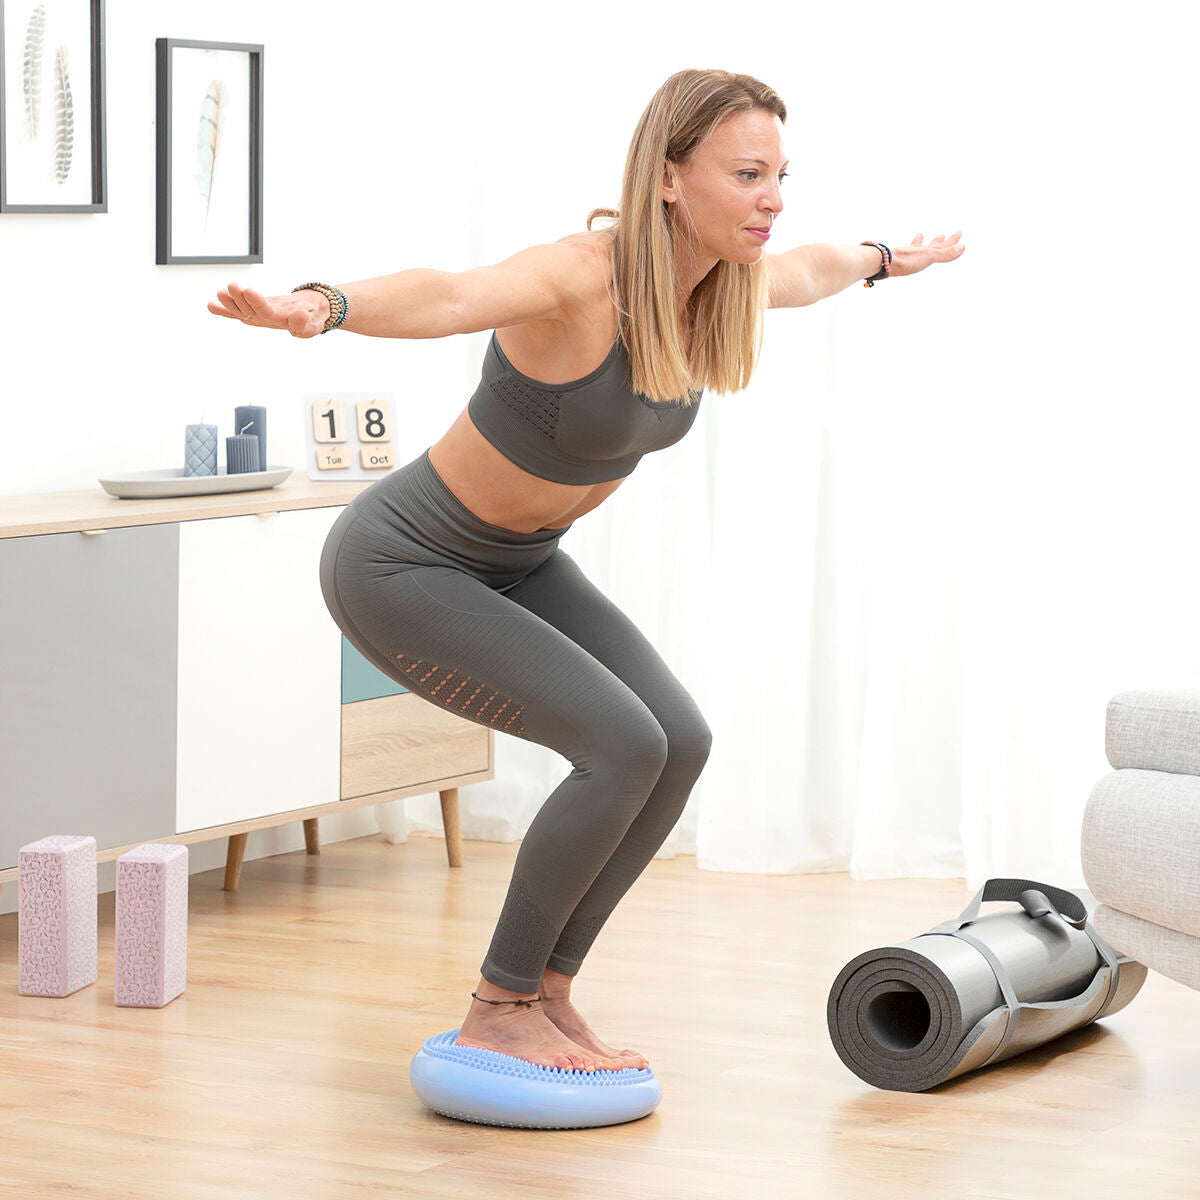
[{"x": 282, "y": 1070}]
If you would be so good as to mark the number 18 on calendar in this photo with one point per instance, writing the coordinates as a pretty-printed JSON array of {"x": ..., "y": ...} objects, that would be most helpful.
[{"x": 349, "y": 434}]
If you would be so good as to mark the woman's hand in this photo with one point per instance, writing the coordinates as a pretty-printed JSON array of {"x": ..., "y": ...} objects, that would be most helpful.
[
  {"x": 908, "y": 260},
  {"x": 302, "y": 314}
]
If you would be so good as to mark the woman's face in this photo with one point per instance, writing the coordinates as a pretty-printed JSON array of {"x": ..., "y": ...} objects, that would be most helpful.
[{"x": 730, "y": 183}]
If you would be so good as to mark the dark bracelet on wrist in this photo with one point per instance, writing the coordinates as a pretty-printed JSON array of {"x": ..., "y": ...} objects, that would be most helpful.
[{"x": 885, "y": 270}]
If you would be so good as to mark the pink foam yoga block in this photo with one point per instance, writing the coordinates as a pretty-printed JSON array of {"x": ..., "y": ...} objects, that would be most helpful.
[
  {"x": 152, "y": 910},
  {"x": 56, "y": 925}
]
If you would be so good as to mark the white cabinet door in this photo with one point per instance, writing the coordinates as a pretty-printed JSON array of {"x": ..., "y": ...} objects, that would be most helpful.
[{"x": 259, "y": 713}]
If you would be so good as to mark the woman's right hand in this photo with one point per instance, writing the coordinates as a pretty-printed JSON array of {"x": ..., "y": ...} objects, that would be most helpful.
[{"x": 302, "y": 314}]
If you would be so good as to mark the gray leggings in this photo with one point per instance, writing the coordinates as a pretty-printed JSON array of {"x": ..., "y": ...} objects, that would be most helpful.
[{"x": 504, "y": 629}]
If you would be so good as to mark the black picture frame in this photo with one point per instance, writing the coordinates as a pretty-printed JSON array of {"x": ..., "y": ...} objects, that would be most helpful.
[
  {"x": 98, "y": 157},
  {"x": 167, "y": 201}
]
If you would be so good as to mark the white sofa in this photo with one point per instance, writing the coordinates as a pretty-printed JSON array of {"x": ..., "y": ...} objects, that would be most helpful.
[{"x": 1141, "y": 832}]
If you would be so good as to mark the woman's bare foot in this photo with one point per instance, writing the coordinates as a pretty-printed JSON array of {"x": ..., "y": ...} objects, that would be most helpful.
[
  {"x": 556, "y": 1004},
  {"x": 526, "y": 1032}
]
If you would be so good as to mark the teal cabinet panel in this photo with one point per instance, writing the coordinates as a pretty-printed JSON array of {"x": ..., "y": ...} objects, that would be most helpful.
[
  {"x": 88, "y": 686},
  {"x": 362, "y": 680}
]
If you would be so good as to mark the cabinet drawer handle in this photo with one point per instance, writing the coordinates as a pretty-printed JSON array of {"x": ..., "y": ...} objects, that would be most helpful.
[{"x": 92, "y": 532}]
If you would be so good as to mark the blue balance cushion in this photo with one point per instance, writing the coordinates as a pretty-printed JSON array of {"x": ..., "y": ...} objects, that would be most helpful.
[{"x": 499, "y": 1089}]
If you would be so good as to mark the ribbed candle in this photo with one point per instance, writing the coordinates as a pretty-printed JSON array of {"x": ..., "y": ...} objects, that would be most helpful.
[
  {"x": 241, "y": 454},
  {"x": 252, "y": 418}
]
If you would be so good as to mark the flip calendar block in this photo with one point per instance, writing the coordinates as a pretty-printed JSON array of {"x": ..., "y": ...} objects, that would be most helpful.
[
  {"x": 56, "y": 923},
  {"x": 152, "y": 908},
  {"x": 348, "y": 435}
]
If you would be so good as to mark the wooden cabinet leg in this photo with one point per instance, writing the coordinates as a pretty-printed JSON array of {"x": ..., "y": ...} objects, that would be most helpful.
[
  {"x": 449, "y": 799},
  {"x": 312, "y": 836},
  {"x": 233, "y": 861}
]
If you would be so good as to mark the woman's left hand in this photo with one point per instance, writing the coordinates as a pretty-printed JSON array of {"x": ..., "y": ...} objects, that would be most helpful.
[{"x": 908, "y": 260}]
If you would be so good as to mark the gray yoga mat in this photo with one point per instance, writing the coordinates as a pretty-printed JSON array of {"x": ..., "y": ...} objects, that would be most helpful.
[{"x": 977, "y": 990}]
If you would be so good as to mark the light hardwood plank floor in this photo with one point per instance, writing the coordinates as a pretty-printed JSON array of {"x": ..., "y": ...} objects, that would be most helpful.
[{"x": 282, "y": 1070}]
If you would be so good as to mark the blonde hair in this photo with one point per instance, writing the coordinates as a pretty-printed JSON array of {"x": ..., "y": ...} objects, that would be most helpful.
[{"x": 726, "y": 306}]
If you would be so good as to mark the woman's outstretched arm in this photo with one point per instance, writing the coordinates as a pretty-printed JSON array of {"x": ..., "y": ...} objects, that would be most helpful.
[
  {"x": 810, "y": 273},
  {"x": 539, "y": 283}
]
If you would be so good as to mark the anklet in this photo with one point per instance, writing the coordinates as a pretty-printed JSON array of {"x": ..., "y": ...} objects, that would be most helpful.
[{"x": 531, "y": 1002}]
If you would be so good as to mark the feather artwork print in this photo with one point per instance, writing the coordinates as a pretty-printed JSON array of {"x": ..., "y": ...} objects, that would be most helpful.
[
  {"x": 208, "y": 139},
  {"x": 32, "y": 70},
  {"x": 64, "y": 117}
]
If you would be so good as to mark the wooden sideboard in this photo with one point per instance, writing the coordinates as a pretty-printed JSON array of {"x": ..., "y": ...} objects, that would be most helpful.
[{"x": 169, "y": 673}]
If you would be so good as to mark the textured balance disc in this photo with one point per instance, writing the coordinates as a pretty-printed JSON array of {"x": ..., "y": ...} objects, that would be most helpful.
[{"x": 491, "y": 1088}]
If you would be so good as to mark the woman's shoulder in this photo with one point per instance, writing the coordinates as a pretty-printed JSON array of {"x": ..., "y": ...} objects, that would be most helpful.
[
  {"x": 589, "y": 238},
  {"x": 593, "y": 249},
  {"x": 569, "y": 346}
]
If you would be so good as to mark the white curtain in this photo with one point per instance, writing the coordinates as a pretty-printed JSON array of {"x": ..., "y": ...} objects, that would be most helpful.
[{"x": 903, "y": 571}]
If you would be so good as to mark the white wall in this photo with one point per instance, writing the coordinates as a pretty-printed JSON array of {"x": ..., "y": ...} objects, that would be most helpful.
[
  {"x": 107, "y": 356},
  {"x": 1056, "y": 135}
]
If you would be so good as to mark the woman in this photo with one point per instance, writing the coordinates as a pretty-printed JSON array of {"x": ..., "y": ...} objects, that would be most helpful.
[{"x": 448, "y": 575}]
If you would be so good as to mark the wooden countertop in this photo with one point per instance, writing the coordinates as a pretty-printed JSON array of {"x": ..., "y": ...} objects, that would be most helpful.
[{"x": 93, "y": 508}]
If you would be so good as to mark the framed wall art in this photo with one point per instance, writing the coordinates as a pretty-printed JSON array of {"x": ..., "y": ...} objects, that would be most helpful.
[
  {"x": 210, "y": 152},
  {"x": 52, "y": 155}
]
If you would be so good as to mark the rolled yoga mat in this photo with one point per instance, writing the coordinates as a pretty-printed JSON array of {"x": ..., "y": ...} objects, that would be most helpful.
[{"x": 977, "y": 990}]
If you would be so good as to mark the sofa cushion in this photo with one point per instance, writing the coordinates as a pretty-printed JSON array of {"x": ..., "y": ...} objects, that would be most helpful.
[
  {"x": 1176, "y": 955},
  {"x": 1155, "y": 730},
  {"x": 1141, "y": 846}
]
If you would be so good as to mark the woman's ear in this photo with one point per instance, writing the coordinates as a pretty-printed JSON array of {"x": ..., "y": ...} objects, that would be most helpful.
[{"x": 669, "y": 194}]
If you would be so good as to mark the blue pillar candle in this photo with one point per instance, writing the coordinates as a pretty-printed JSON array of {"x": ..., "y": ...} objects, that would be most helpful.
[
  {"x": 241, "y": 454},
  {"x": 252, "y": 418},
  {"x": 200, "y": 450}
]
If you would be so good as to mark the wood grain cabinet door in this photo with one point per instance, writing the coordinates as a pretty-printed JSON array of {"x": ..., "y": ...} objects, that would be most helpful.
[
  {"x": 87, "y": 686},
  {"x": 259, "y": 669}
]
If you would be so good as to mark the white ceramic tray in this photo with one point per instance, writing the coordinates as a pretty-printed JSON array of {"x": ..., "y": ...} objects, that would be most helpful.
[{"x": 148, "y": 485}]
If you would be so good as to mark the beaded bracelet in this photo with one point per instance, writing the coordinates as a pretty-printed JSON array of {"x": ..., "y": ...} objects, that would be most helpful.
[
  {"x": 885, "y": 270},
  {"x": 339, "y": 306}
]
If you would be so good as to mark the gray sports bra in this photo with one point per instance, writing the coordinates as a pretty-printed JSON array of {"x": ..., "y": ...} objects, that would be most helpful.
[{"x": 587, "y": 431}]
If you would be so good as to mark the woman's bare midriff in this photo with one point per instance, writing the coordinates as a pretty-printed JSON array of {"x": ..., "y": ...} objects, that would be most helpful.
[
  {"x": 499, "y": 492},
  {"x": 492, "y": 486}
]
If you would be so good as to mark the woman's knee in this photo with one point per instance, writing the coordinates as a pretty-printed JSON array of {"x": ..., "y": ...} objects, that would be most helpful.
[
  {"x": 689, "y": 743},
  {"x": 648, "y": 745},
  {"x": 631, "y": 742}
]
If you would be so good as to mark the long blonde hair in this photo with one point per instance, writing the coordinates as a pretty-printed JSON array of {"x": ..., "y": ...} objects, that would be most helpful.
[{"x": 726, "y": 306}]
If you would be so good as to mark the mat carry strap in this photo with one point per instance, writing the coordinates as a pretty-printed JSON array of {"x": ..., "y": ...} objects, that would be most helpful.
[
  {"x": 1035, "y": 898},
  {"x": 1038, "y": 900}
]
